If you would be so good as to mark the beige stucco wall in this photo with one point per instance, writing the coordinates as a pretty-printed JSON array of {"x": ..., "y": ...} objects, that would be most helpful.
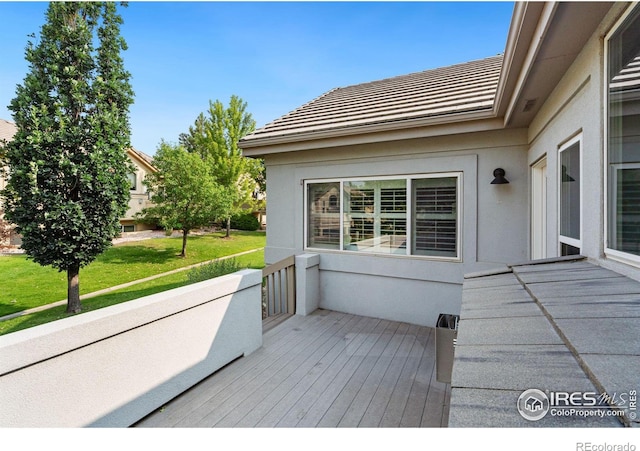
[
  {"x": 576, "y": 106},
  {"x": 139, "y": 197}
]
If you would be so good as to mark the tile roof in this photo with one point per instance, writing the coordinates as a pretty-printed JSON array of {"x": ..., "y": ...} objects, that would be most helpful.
[
  {"x": 461, "y": 88},
  {"x": 7, "y": 129}
]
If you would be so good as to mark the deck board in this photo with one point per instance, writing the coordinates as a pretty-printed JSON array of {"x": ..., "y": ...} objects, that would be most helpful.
[
  {"x": 294, "y": 388},
  {"x": 323, "y": 395},
  {"x": 328, "y": 369}
]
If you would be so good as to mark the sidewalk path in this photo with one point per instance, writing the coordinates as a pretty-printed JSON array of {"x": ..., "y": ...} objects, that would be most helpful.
[{"x": 124, "y": 285}]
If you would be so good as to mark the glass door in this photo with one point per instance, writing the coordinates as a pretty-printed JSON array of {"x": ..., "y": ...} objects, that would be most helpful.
[{"x": 570, "y": 190}]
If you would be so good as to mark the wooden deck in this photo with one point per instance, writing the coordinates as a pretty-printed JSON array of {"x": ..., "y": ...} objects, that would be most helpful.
[{"x": 327, "y": 369}]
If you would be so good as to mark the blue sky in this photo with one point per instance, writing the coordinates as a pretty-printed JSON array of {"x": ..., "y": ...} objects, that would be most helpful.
[{"x": 274, "y": 55}]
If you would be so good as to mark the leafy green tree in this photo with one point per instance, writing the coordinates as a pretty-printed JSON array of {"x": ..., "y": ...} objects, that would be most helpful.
[
  {"x": 67, "y": 162},
  {"x": 184, "y": 192},
  {"x": 215, "y": 138}
]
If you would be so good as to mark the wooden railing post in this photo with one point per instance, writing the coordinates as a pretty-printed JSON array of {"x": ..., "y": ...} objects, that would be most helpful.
[
  {"x": 279, "y": 288},
  {"x": 291, "y": 288}
]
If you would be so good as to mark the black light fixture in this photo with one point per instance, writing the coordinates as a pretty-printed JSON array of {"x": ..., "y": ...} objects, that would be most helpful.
[{"x": 498, "y": 175}]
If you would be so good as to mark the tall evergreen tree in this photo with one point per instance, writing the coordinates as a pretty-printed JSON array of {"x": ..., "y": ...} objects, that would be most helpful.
[
  {"x": 215, "y": 137},
  {"x": 67, "y": 162}
]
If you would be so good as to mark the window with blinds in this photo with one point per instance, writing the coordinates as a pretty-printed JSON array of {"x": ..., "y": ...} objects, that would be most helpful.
[
  {"x": 435, "y": 217},
  {"x": 413, "y": 215},
  {"x": 375, "y": 216}
]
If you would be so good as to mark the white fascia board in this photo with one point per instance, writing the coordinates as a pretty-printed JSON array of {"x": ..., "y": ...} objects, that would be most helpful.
[
  {"x": 517, "y": 20},
  {"x": 311, "y": 141},
  {"x": 546, "y": 16}
]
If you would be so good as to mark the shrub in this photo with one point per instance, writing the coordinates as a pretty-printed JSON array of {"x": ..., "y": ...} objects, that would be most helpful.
[
  {"x": 213, "y": 269},
  {"x": 245, "y": 222}
]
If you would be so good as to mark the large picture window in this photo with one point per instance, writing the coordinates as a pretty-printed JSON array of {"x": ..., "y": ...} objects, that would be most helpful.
[
  {"x": 409, "y": 215},
  {"x": 623, "y": 137}
]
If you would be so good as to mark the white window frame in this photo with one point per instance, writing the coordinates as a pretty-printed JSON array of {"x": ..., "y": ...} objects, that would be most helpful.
[
  {"x": 133, "y": 181},
  {"x": 409, "y": 225},
  {"x": 613, "y": 254},
  {"x": 538, "y": 213},
  {"x": 577, "y": 139}
]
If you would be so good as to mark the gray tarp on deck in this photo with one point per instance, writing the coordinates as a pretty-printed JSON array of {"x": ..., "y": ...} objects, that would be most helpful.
[{"x": 559, "y": 326}]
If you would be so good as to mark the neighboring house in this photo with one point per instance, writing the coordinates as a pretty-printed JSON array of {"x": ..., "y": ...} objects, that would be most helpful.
[
  {"x": 7, "y": 130},
  {"x": 395, "y": 183},
  {"x": 139, "y": 197}
]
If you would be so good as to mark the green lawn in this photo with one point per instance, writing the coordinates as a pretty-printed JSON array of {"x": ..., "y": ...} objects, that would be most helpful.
[
  {"x": 26, "y": 284},
  {"x": 253, "y": 260}
]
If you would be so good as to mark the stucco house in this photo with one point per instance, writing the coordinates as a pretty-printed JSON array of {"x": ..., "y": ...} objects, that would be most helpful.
[
  {"x": 139, "y": 199},
  {"x": 7, "y": 130},
  {"x": 404, "y": 185},
  {"x": 143, "y": 164}
]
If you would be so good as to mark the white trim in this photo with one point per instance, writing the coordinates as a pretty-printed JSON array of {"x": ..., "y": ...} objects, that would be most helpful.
[
  {"x": 409, "y": 219},
  {"x": 623, "y": 257},
  {"x": 409, "y": 178},
  {"x": 576, "y": 139},
  {"x": 613, "y": 254},
  {"x": 341, "y": 227}
]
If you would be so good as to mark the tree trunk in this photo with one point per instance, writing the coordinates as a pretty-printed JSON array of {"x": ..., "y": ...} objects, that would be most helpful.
[
  {"x": 73, "y": 290},
  {"x": 183, "y": 254},
  {"x": 228, "y": 228}
]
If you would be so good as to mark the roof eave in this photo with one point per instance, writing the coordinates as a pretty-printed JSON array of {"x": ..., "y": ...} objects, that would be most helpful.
[
  {"x": 528, "y": 26},
  {"x": 136, "y": 154},
  {"x": 542, "y": 44},
  {"x": 364, "y": 134}
]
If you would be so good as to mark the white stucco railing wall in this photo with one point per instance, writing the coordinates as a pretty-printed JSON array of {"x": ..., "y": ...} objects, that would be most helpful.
[{"x": 113, "y": 366}]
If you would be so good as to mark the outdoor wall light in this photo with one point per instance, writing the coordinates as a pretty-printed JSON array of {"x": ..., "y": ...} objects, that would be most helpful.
[{"x": 498, "y": 175}]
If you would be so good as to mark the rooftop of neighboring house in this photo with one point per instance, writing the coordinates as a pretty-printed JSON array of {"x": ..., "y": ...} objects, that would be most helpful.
[
  {"x": 7, "y": 129},
  {"x": 147, "y": 159},
  {"x": 454, "y": 90}
]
